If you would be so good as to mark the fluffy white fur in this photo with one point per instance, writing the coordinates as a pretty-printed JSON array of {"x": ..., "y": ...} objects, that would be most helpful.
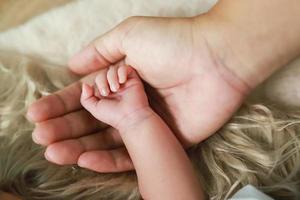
[{"x": 259, "y": 146}]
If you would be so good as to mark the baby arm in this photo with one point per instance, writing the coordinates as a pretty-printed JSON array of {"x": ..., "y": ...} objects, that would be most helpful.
[{"x": 162, "y": 166}]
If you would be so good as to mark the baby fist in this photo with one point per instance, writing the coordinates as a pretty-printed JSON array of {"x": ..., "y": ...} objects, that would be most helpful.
[{"x": 119, "y": 105}]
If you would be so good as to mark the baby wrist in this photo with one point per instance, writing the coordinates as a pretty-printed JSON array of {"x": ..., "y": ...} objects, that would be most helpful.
[{"x": 134, "y": 119}]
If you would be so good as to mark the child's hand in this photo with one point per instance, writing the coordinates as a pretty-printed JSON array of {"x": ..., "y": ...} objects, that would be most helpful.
[
  {"x": 127, "y": 110},
  {"x": 118, "y": 104}
]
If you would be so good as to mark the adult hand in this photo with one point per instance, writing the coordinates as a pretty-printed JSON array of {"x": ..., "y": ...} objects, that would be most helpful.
[
  {"x": 172, "y": 56},
  {"x": 194, "y": 65}
]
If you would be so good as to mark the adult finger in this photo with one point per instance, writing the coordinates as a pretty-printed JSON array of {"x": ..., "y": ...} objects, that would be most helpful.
[
  {"x": 68, "y": 151},
  {"x": 69, "y": 126},
  {"x": 59, "y": 103},
  {"x": 116, "y": 160},
  {"x": 54, "y": 105},
  {"x": 103, "y": 51}
]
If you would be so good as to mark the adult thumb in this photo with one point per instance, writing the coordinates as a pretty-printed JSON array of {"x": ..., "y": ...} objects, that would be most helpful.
[{"x": 103, "y": 51}]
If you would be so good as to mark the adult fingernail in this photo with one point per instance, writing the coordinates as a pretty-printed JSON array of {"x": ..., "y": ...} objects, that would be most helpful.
[
  {"x": 81, "y": 163},
  {"x": 28, "y": 117},
  {"x": 35, "y": 138},
  {"x": 48, "y": 156},
  {"x": 29, "y": 114}
]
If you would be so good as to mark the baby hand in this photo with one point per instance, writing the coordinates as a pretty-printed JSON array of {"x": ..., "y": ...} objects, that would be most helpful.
[{"x": 122, "y": 98}]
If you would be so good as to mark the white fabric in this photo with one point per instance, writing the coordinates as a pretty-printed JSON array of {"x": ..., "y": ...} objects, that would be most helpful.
[{"x": 249, "y": 192}]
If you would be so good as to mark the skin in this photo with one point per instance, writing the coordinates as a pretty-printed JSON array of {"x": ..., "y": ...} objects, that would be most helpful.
[
  {"x": 151, "y": 145},
  {"x": 200, "y": 70}
]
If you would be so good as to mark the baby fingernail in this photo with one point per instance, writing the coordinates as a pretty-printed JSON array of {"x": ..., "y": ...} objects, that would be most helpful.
[
  {"x": 114, "y": 88},
  {"x": 122, "y": 79},
  {"x": 84, "y": 90},
  {"x": 104, "y": 92}
]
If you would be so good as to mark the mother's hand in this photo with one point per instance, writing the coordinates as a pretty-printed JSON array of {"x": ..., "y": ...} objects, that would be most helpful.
[{"x": 194, "y": 92}]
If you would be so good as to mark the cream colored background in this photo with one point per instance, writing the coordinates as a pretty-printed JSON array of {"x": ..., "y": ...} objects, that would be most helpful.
[{"x": 15, "y": 12}]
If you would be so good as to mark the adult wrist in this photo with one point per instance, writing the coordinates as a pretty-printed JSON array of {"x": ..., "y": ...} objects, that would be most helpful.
[{"x": 253, "y": 38}]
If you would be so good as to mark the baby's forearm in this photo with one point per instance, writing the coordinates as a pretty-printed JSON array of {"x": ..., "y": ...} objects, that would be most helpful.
[{"x": 162, "y": 166}]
